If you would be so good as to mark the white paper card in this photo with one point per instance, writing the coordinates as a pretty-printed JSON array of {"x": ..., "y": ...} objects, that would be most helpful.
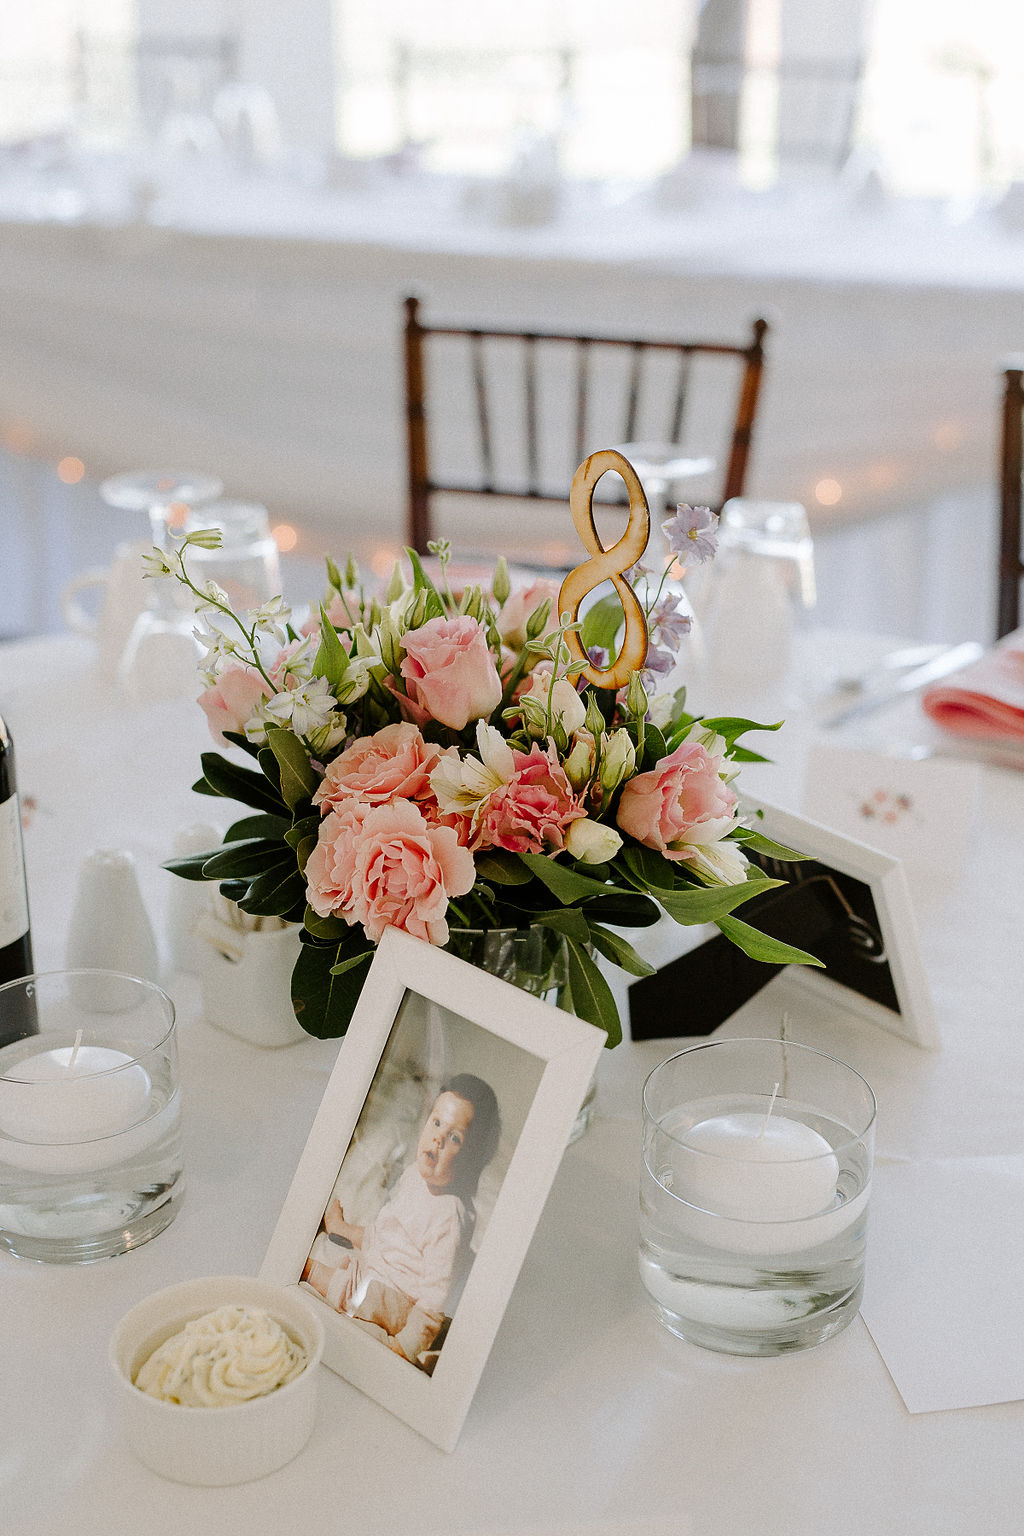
[
  {"x": 918, "y": 810},
  {"x": 942, "y": 1298}
]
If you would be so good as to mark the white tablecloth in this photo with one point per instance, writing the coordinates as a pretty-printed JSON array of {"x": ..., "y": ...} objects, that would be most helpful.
[{"x": 589, "y": 1417}]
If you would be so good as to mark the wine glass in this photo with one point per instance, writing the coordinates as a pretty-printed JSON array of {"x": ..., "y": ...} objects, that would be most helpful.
[{"x": 159, "y": 659}]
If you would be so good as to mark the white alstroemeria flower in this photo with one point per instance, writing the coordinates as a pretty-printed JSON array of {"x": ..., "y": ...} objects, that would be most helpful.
[
  {"x": 304, "y": 709},
  {"x": 272, "y": 619},
  {"x": 155, "y": 563},
  {"x": 591, "y": 842},
  {"x": 464, "y": 785},
  {"x": 661, "y": 709},
  {"x": 720, "y": 863},
  {"x": 219, "y": 648},
  {"x": 324, "y": 737}
]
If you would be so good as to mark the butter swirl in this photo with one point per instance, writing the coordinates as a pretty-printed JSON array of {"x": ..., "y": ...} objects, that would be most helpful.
[{"x": 227, "y": 1356}]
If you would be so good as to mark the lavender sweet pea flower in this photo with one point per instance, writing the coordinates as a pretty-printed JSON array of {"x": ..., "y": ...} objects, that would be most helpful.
[{"x": 692, "y": 533}]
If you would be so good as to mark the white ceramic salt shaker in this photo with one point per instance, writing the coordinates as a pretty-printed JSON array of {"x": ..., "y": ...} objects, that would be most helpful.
[
  {"x": 110, "y": 928},
  {"x": 188, "y": 899}
]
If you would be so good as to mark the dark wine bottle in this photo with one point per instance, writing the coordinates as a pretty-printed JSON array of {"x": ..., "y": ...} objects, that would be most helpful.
[{"x": 17, "y": 1010}]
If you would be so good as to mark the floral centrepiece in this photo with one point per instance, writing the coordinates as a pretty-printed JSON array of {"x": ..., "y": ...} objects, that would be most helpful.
[{"x": 428, "y": 759}]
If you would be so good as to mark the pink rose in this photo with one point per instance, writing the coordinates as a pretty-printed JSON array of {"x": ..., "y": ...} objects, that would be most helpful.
[
  {"x": 231, "y": 703},
  {"x": 386, "y": 866},
  {"x": 530, "y": 813},
  {"x": 393, "y": 764},
  {"x": 680, "y": 805},
  {"x": 450, "y": 672},
  {"x": 519, "y": 606}
]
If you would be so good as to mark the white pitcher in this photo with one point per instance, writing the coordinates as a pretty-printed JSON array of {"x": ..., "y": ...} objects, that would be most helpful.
[{"x": 123, "y": 599}]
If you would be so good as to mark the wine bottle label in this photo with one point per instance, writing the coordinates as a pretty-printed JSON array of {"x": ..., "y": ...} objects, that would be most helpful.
[{"x": 13, "y": 899}]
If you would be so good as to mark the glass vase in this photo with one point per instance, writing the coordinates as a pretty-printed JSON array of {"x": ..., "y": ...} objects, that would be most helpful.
[{"x": 535, "y": 960}]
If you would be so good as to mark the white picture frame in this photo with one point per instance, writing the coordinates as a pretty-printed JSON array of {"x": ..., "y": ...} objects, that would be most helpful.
[
  {"x": 884, "y": 874},
  {"x": 417, "y": 1004}
]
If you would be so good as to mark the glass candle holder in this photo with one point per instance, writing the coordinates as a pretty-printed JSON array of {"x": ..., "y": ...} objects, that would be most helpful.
[
  {"x": 90, "y": 1144},
  {"x": 754, "y": 1190}
]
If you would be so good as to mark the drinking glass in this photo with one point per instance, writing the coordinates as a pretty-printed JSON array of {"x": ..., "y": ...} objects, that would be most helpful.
[
  {"x": 159, "y": 659},
  {"x": 754, "y": 1189},
  {"x": 90, "y": 1142},
  {"x": 759, "y": 592},
  {"x": 247, "y": 565}
]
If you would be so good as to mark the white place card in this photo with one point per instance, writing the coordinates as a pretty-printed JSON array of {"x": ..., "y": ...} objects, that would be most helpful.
[
  {"x": 942, "y": 1294},
  {"x": 918, "y": 810}
]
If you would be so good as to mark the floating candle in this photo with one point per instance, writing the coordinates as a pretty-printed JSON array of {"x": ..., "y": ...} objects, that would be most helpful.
[
  {"x": 72, "y": 1094},
  {"x": 757, "y": 1169}
]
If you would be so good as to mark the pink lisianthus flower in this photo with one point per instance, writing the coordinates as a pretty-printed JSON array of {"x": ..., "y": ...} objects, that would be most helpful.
[
  {"x": 680, "y": 805},
  {"x": 232, "y": 701},
  {"x": 386, "y": 866},
  {"x": 521, "y": 604},
  {"x": 532, "y": 810},
  {"x": 393, "y": 764},
  {"x": 449, "y": 671}
]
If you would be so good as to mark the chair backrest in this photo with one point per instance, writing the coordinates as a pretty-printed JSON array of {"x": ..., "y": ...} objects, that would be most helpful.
[
  {"x": 580, "y": 358},
  {"x": 1011, "y": 471}
]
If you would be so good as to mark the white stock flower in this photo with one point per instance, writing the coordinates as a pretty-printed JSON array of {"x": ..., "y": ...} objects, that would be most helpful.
[{"x": 590, "y": 842}]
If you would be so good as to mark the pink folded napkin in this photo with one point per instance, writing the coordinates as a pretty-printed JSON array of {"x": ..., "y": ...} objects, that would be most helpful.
[{"x": 986, "y": 700}]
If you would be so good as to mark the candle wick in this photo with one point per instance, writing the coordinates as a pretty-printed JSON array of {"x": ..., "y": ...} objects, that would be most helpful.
[
  {"x": 768, "y": 1116},
  {"x": 74, "y": 1049}
]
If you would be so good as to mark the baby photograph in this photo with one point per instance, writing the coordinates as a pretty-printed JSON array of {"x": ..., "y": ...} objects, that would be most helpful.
[{"x": 418, "y": 1182}]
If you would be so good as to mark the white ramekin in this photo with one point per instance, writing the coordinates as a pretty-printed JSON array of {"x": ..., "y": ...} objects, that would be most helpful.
[{"x": 216, "y": 1446}]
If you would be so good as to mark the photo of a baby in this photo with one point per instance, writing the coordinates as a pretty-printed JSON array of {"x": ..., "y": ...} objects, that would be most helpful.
[{"x": 400, "y": 1275}]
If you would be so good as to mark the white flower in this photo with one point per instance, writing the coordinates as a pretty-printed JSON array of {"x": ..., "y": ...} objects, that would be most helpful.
[
  {"x": 272, "y": 619},
  {"x": 720, "y": 863},
  {"x": 155, "y": 563},
  {"x": 464, "y": 785},
  {"x": 324, "y": 737},
  {"x": 567, "y": 708},
  {"x": 306, "y": 708},
  {"x": 590, "y": 842},
  {"x": 661, "y": 709}
]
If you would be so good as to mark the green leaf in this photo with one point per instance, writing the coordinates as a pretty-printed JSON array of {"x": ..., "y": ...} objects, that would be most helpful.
[
  {"x": 619, "y": 951},
  {"x": 567, "y": 920},
  {"x": 420, "y": 580},
  {"x": 731, "y": 726},
  {"x": 279, "y": 892},
  {"x": 323, "y": 1002},
  {"x": 626, "y": 909},
  {"x": 760, "y": 947},
  {"x": 654, "y": 746},
  {"x": 348, "y": 965},
  {"x": 325, "y": 927},
  {"x": 331, "y": 659},
  {"x": 271, "y": 767},
  {"x": 602, "y": 623},
  {"x": 238, "y": 740},
  {"x": 708, "y": 903},
  {"x": 591, "y": 995},
  {"x": 299, "y": 778},
  {"x": 306, "y": 826},
  {"x": 761, "y": 844},
  {"x": 246, "y": 860},
  {"x": 188, "y": 867},
  {"x": 647, "y": 869},
  {"x": 564, "y": 883},
  {"x": 738, "y": 754},
  {"x": 234, "y": 783},
  {"x": 257, "y": 826},
  {"x": 502, "y": 868}
]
